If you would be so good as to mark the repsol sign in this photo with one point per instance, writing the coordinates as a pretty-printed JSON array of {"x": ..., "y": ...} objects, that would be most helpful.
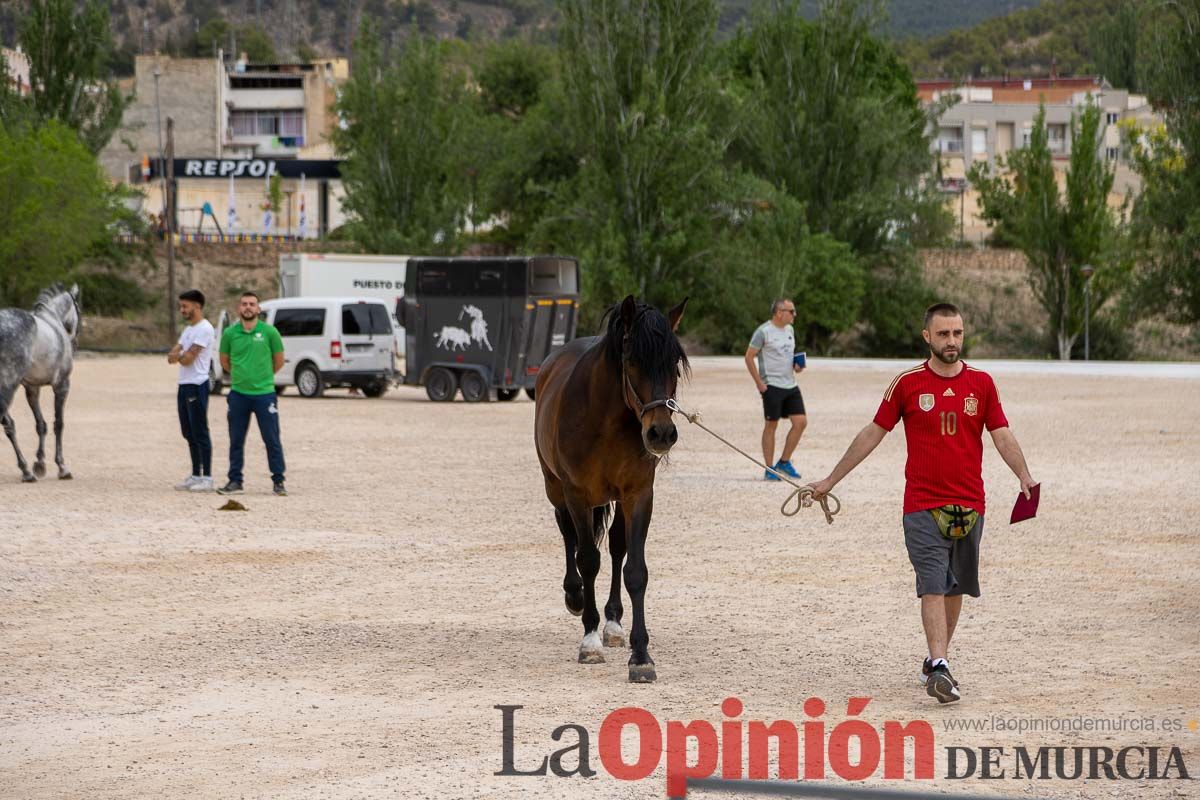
[
  {"x": 224, "y": 167},
  {"x": 250, "y": 168}
]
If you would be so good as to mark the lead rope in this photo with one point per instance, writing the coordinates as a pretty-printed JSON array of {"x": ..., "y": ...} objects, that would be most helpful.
[{"x": 802, "y": 495}]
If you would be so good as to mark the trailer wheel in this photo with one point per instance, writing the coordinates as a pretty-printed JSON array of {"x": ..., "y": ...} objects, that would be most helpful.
[
  {"x": 308, "y": 381},
  {"x": 474, "y": 387},
  {"x": 507, "y": 394},
  {"x": 441, "y": 384},
  {"x": 530, "y": 393}
]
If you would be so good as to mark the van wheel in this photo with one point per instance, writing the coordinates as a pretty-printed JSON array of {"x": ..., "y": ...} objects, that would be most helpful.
[
  {"x": 214, "y": 383},
  {"x": 309, "y": 382},
  {"x": 441, "y": 384},
  {"x": 474, "y": 387},
  {"x": 529, "y": 393},
  {"x": 375, "y": 389},
  {"x": 507, "y": 394}
]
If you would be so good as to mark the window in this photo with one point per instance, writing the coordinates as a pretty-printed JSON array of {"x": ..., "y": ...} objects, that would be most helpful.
[
  {"x": 1112, "y": 117},
  {"x": 1112, "y": 153},
  {"x": 364, "y": 319},
  {"x": 1056, "y": 136},
  {"x": 552, "y": 277},
  {"x": 300, "y": 321},
  {"x": 950, "y": 140},
  {"x": 249, "y": 122},
  {"x": 489, "y": 282},
  {"x": 291, "y": 123},
  {"x": 979, "y": 140}
]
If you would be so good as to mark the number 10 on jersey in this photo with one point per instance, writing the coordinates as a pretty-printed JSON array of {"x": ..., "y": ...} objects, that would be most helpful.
[{"x": 949, "y": 423}]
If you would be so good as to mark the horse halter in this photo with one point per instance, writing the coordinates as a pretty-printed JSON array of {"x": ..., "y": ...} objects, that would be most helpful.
[{"x": 630, "y": 394}]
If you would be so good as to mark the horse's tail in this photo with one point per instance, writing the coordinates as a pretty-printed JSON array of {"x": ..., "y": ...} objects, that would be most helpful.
[{"x": 601, "y": 521}]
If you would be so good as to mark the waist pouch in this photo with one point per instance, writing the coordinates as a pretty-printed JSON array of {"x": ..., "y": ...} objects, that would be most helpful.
[{"x": 954, "y": 522}]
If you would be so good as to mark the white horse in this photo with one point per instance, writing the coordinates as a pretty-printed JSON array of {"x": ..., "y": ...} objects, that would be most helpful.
[{"x": 38, "y": 349}]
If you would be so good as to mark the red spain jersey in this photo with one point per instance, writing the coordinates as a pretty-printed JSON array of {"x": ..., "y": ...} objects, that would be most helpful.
[{"x": 944, "y": 420}]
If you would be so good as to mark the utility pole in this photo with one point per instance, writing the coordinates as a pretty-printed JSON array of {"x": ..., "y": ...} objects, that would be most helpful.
[{"x": 170, "y": 169}]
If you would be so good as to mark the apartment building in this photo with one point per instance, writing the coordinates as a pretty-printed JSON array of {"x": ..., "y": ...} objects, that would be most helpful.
[
  {"x": 241, "y": 122},
  {"x": 991, "y": 117}
]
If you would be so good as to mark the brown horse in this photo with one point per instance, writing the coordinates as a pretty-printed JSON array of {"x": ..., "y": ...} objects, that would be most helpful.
[{"x": 601, "y": 427}]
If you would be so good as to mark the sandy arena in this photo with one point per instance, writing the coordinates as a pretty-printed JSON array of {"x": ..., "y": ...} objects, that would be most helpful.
[{"x": 351, "y": 640}]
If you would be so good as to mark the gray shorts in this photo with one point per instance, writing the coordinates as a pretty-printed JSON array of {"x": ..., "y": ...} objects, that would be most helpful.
[{"x": 943, "y": 566}]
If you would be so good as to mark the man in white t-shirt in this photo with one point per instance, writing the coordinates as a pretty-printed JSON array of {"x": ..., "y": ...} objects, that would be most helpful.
[
  {"x": 193, "y": 354},
  {"x": 770, "y": 360}
]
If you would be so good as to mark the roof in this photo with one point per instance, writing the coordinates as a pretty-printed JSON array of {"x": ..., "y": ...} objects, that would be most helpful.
[{"x": 1018, "y": 90}]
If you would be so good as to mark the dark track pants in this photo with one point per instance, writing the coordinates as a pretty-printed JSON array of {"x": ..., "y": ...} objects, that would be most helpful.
[
  {"x": 266, "y": 410},
  {"x": 192, "y": 401}
]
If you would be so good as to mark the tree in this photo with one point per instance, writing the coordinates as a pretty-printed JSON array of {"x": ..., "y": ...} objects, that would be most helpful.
[
  {"x": 1167, "y": 212},
  {"x": 1059, "y": 234},
  {"x": 1114, "y": 47},
  {"x": 68, "y": 68},
  {"x": 641, "y": 104},
  {"x": 833, "y": 117},
  {"x": 55, "y": 205},
  {"x": 404, "y": 140}
]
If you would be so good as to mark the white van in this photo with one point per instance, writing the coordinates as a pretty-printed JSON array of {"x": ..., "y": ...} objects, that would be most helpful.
[{"x": 328, "y": 342}]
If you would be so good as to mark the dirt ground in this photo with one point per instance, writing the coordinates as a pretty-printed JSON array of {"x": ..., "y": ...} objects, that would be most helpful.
[{"x": 352, "y": 639}]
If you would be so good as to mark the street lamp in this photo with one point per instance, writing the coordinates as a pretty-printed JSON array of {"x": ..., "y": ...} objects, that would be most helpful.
[{"x": 1086, "y": 271}]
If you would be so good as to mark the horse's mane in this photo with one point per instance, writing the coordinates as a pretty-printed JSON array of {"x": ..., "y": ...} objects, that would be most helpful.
[
  {"x": 653, "y": 346},
  {"x": 47, "y": 295}
]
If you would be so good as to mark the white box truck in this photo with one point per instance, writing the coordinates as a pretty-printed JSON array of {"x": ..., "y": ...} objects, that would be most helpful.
[{"x": 341, "y": 275}]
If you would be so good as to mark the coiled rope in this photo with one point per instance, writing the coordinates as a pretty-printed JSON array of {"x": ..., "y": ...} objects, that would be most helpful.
[{"x": 801, "y": 496}]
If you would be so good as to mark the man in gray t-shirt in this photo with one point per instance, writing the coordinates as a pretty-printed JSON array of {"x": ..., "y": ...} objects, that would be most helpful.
[{"x": 769, "y": 360}]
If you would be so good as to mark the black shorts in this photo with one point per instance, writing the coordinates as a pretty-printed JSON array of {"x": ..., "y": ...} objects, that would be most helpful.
[{"x": 782, "y": 402}]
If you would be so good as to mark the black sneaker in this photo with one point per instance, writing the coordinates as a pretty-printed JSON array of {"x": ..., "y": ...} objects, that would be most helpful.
[
  {"x": 280, "y": 490},
  {"x": 233, "y": 487},
  {"x": 927, "y": 668},
  {"x": 940, "y": 685}
]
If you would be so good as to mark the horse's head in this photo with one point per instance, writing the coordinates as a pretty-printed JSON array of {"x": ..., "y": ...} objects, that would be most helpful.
[
  {"x": 63, "y": 304},
  {"x": 641, "y": 341}
]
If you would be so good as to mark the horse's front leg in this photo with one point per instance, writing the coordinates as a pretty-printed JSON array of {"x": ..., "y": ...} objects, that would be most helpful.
[
  {"x": 61, "y": 390},
  {"x": 587, "y": 559},
  {"x": 637, "y": 525},
  {"x": 32, "y": 394},
  {"x": 614, "y": 634}
]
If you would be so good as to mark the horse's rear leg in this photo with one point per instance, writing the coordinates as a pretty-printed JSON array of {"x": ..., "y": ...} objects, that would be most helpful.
[
  {"x": 60, "y": 401},
  {"x": 614, "y": 634},
  {"x": 10, "y": 428},
  {"x": 587, "y": 558},
  {"x": 572, "y": 583},
  {"x": 32, "y": 394}
]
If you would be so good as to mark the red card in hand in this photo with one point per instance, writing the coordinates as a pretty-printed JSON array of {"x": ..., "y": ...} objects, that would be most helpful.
[{"x": 1026, "y": 509}]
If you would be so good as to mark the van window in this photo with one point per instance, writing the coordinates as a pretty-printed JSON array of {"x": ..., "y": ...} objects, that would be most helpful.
[
  {"x": 300, "y": 321},
  {"x": 363, "y": 319}
]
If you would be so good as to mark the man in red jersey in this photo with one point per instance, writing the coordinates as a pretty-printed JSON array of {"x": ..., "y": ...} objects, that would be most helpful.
[{"x": 945, "y": 405}]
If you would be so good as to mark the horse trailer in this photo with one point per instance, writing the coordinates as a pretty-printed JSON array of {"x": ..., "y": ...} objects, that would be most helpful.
[{"x": 483, "y": 326}]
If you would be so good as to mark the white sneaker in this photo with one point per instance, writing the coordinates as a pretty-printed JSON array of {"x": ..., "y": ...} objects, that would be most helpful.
[
  {"x": 187, "y": 483},
  {"x": 203, "y": 484}
]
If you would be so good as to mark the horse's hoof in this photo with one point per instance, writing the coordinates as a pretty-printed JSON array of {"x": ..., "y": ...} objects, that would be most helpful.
[
  {"x": 65, "y": 475},
  {"x": 642, "y": 673},
  {"x": 614, "y": 634},
  {"x": 590, "y": 651},
  {"x": 574, "y": 602},
  {"x": 28, "y": 477},
  {"x": 39, "y": 470}
]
